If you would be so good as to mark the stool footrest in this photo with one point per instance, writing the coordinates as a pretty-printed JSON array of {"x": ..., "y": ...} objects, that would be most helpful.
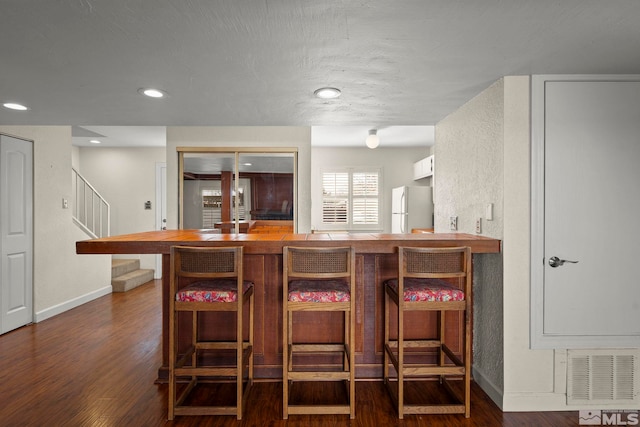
[
  {"x": 205, "y": 410},
  {"x": 426, "y": 370},
  {"x": 219, "y": 345},
  {"x": 416, "y": 344},
  {"x": 207, "y": 371},
  {"x": 318, "y": 376},
  {"x": 318, "y": 409},
  {"x": 318, "y": 347},
  {"x": 434, "y": 409}
]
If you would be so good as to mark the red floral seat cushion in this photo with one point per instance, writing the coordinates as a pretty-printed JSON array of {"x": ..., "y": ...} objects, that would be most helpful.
[
  {"x": 219, "y": 290},
  {"x": 416, "y": 289},
  {"x": 319, "y": 291}
]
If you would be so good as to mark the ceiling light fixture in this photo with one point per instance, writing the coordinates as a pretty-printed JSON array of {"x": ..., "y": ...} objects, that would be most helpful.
[
  {"x": 14, "y": 106},
  {"x": 327, "y": 93},
  {"x": 94, "y": 141},
  {"x": 373, "y": 140},
  {"x": 152, "y": 93}
]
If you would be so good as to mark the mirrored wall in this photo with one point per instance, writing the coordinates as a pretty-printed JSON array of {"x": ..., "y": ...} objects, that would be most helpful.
[{"x": 234, "y": 190}]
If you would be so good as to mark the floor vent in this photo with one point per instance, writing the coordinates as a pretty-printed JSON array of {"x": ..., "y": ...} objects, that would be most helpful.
[{"x": 602, "y": 377}]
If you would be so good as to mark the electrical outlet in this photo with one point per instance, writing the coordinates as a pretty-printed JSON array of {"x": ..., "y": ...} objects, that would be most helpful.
[
  {"x": 453, "y": 223},
  {"x": 479, "y": 225}
]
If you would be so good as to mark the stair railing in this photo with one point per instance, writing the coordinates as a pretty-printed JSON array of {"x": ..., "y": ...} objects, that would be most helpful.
[{"x": 91, "y": 212}]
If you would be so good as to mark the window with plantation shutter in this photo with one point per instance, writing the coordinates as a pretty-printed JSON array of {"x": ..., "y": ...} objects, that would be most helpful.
[
  {"x": 335, "y": 197},
  {"x": 351, "y": 199},
  {"x": 364, "y": 198}
]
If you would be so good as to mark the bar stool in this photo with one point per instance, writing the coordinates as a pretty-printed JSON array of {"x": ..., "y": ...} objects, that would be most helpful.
[
  {"x": 318, "y": 279},
  {"x": 429, "y": 279},
  {"x": 208, "y": 279}
]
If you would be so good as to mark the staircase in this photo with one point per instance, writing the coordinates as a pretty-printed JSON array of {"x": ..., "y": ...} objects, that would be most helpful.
[
  {"x": 126, "y": 274},
  {"x": 91, "y": 212}
]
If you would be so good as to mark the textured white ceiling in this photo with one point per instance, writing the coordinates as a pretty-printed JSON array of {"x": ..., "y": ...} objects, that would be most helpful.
[{"x": 240, "y": 62}]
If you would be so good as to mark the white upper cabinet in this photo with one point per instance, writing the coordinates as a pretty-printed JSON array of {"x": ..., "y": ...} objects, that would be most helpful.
[{"x": 423, "y": 168}]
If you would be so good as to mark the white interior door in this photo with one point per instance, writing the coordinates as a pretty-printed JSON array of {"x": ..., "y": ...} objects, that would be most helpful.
[
  {"x": 16, "y": 233},
  {"x": 161, "y": 209},
  {"x": 591, "y": 179}
]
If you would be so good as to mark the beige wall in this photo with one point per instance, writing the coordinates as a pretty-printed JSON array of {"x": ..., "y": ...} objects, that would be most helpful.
[
  {"x": 469, "y": 175},
  {"x": 126, "y": 178},
  {"x": 61, "y": 279},
  {"x": 248, "y": 136}
]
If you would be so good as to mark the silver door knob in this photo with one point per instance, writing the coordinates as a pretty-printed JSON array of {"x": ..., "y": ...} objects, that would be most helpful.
[{"x": 554, "y": 261}]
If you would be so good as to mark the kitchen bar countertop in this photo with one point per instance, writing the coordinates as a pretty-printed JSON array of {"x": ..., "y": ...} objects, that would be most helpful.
[
  {"x": 159, "y": 242},
  {"x": 376, "y": 261}
]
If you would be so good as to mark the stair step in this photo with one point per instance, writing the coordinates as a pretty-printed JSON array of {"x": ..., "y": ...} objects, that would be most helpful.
[
  {"x": 130, "y": 280},
  {"x": 123, "y": 266}
]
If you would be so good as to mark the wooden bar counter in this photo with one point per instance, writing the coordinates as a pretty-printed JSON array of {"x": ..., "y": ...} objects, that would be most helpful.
[{"x": 376, "y": 261}]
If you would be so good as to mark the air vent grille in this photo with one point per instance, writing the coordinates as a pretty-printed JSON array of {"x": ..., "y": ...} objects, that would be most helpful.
[{"x": 602, "y": 377}]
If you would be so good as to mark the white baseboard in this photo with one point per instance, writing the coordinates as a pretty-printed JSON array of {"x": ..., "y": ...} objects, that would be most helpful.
[
  {"x": 68, "y": 305},
  {"x": 537, "y": 402},
  {"x": 488, "y": 387},
  {"x": 547, "y": 402}
]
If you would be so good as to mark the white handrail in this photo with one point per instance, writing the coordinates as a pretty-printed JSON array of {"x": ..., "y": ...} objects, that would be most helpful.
[{"x": 90, "y": 210}]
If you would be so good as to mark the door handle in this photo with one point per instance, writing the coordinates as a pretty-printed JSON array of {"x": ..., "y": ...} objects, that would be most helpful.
[{"x": 554, "y": 261}]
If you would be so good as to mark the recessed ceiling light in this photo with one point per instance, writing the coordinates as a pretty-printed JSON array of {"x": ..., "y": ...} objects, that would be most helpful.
[
  {"x": 14, "y": 106},
  {"x": 152, "y": 93},
  {"x": 95, "y": 141},
  {"x": 327, "y": 93}
]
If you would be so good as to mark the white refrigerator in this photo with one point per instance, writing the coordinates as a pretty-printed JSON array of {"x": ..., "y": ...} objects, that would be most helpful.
[{"x": 411, "y": 207}]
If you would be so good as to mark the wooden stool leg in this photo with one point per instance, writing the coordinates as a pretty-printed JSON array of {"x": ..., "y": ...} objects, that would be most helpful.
[
  {"x": 286, "y": 341},
  {"x": 352, "y": 361},
  {"x": 400, "y": 360},
  {"x": 172, "y": 362},
  {"x": 385, "y": 367},
  {"x": 251, "y": 316},
  {"x": 239, "y": 361}
]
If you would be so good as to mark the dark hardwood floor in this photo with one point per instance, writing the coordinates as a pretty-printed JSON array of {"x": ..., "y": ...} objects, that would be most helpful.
[{"x": 95, "y": 365}]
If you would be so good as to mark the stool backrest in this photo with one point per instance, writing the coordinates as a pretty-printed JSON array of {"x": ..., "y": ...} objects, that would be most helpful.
[
  {"x": 318, "y": 263},
  {"x": 437, "y": 263},
  {"x": 206, "y": 262}
]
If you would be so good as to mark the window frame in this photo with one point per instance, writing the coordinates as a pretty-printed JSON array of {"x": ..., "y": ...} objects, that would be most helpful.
[{"x": 349, "y": 224}]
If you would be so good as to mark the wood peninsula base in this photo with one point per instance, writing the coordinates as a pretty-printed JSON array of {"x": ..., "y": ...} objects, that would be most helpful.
[{"x": 376, "y": 261}]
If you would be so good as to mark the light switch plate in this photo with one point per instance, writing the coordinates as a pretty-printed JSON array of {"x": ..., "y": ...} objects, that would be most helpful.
[{"x": 489, "y": 212}]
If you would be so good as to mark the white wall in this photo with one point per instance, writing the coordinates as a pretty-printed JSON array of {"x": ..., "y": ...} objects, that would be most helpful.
[
  {"x": 469, "y": 175},
  {"x": 75, "y": 157},
  {"x": 493, "y": 130},
  {"x": 248, "y": 136},
  {"x": 396, "y": 165},
  {"x": 530, "y": 375},
  {"x": 61, "y": 280},
  {"x": 126, "y": 178}
]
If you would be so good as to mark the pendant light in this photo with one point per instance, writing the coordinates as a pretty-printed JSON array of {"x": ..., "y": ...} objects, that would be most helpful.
[{"x": 373, "y": 140}]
